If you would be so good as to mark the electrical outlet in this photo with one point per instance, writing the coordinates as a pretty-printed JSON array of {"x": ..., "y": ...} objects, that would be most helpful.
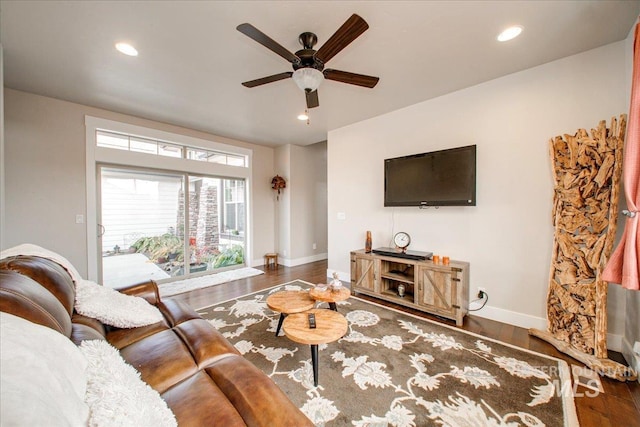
[
  {"x": 481, "y": 292},
  {"x": 314, "y": 246}
]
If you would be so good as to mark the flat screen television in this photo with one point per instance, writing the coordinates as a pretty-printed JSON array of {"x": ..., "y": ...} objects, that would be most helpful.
[{"x": 436, "y": 178}]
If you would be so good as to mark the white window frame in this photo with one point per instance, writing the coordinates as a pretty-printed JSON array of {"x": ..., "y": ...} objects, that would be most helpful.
[{"x": 96, "y": 155}]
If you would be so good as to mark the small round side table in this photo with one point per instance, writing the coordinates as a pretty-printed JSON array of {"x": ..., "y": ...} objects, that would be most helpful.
[
  {"x": 330, "y": 296},
  {"x": 330, "y": 326},
  {"x": 289, "y": 302}
]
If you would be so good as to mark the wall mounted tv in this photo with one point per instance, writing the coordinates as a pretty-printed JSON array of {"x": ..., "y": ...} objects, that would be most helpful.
[{"x": 437, "y": 178}]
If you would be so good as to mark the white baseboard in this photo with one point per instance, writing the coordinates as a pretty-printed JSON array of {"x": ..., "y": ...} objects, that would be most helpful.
[
  {"x": 511, "y": 317},
  {"x": 631, "y": 354},
  {"x": 614, "y": 341},
  {"x": 287, "y": 262}
]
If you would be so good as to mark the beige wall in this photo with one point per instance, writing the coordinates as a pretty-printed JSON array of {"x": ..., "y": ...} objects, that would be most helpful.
[
  {"x": 45, "y": 175},
  {"x": 507, "y": 237},
  {"x": 309, "y": 202},
  {"x": 283, "y": 204},
  {"x": 632, "y": 328},
  {"x": 302, "y": 209}
]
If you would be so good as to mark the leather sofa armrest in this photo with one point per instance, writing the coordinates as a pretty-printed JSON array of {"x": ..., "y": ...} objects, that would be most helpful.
[{"x": 147, "y": 290}]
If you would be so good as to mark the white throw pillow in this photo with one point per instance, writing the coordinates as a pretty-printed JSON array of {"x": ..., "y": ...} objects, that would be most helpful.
[
  {"x": 42, "y": 376},
  {"x": 93, "y": 300},
  {"x": 116, "y": 394},
  {"x": 114, "y": 308}
]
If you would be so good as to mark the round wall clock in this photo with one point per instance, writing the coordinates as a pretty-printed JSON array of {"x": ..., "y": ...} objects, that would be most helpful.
[{"x": 402, "y": 240}]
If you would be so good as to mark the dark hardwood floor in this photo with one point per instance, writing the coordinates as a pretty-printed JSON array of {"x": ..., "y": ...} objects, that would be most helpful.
[{"x": 618, "y": 406}]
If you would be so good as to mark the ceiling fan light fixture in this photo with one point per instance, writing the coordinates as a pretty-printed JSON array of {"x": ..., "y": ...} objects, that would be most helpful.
[{"x": 307, "y": 78}]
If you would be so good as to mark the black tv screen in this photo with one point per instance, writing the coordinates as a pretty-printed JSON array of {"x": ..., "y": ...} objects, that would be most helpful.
[{"x": 437, "y": 178}]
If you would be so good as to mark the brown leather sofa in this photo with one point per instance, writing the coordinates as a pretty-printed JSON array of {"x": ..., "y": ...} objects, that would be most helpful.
[{"x": 201, "y": 376}]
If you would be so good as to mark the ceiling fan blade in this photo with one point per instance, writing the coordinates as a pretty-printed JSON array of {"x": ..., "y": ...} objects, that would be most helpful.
[
  {"x": 268, "y": 79},
  {"x": 266, "y": 41},
  {"x": 312, "y": 99},
  {"x": 350, "y": 30},
  {"x": 351, "y": 78}
]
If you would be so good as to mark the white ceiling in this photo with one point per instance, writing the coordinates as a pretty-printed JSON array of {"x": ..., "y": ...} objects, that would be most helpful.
[{"x": 192, "y": 60}]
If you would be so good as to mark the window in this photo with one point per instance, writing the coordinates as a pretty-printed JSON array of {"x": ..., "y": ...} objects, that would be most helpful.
[
  {"x": 149, "y": 233},
  {"x": 118, "y": 141},
  {"x": 234, "y": 206},
  {"x": 137, "y": 163}
]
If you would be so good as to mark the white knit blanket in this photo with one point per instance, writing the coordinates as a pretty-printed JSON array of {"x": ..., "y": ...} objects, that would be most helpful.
[
  {"x": 93, "y": 300},
  {"x": 116, "y": 394}
]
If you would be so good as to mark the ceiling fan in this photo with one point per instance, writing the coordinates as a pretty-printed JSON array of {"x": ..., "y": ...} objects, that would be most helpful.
[{"x": 308, "y": 64}]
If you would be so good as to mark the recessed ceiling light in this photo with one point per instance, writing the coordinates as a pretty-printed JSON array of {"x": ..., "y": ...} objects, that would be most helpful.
[
  {"x": 510, "y": 33},
  {"x": 127, "y": 49}
]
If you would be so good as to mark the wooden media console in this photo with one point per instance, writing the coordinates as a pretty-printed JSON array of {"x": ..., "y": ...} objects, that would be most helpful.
[{"x": 442, "y": 290}]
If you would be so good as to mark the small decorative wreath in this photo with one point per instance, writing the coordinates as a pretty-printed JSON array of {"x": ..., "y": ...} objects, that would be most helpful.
[{"x": 278, "y": 183}]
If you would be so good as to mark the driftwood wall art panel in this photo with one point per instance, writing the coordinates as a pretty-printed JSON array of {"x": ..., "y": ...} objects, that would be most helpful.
[{"x": 586, "y": 170}]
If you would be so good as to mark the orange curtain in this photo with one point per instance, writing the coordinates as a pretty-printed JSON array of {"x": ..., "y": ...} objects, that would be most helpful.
[{"x": 624, "y": 264}]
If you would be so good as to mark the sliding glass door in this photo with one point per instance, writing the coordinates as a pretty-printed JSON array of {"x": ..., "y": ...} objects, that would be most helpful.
[{"x": 167, "y": 226}]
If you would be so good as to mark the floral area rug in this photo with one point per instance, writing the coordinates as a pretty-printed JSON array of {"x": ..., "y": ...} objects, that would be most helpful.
[{"x": 396, "y": 369}]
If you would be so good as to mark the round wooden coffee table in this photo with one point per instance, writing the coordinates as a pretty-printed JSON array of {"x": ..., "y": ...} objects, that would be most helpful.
[
  {"x": 289, "y": 302},
  {"x": 330, "y": 296},
  {"x": 330, "y": 326}
]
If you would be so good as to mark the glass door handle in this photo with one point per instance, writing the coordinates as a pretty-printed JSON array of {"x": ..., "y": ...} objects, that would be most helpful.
[{"x": 101, "y": 230}]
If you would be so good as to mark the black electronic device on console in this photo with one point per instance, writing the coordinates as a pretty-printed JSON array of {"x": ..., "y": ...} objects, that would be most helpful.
[
  {"x": 312, "y": 321},
  {"x": 414, "y": 255}
]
